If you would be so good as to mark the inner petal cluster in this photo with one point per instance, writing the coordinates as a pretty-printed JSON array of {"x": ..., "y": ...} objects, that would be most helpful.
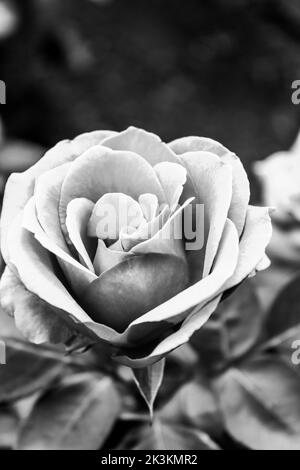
[
  {"x": 118, "y": 223},
  {"x": 105, "y": 233}
]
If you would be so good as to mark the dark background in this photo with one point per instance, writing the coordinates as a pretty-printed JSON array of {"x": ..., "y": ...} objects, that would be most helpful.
[{"x": 217, "y": 68}]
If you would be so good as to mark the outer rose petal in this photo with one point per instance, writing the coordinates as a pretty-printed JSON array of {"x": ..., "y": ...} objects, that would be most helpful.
[
  {"x": 18, "y": 190},
  {"x": 90, "y": 139},
  {"x": 149, "y": 205},
  {"x": 240, "y": 192},
  {"x": 212, "y": 185},
  {"x": 196, "y": 144},
  {"x": 78, "y": 276},
  {"x": 38, "y": 321},
  {"x": 101, "y": 170},
  {"x": 256, "y": 236},
  {"x": 20, "y": 186},
  {"x": 141, "y": 283},
  {"x": 240, "y": 189},
  {"x": 35, "y": 269},
  {"x": 146, "y": 144},
  {"x": 174, "y": 340}
]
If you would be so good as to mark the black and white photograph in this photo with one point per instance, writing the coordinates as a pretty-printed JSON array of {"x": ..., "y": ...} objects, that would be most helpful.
[{"x": 150, "y": 227}]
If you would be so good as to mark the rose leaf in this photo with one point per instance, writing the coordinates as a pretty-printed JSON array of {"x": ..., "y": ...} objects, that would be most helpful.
[
  {"x": 260, "y": 403},
  {"x": 28, "y": 369},
  {"x": 77, "y": 415}
]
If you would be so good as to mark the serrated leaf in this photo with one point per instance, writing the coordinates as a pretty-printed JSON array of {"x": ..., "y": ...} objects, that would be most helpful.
[
  {"x": 148, "y": 380},
  {"x": 77, "y": 415},
  {"x": 232, "y": 331},
  {"x": 260, "y": 403},
  {"x": 163, "y": 436},
  {"x": 28, "y": 368}
]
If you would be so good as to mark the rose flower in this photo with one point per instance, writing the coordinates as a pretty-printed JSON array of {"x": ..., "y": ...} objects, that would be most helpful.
[{"x": 93, "y": 248}]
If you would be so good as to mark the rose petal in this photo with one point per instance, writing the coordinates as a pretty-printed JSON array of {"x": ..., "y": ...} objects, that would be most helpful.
[
  {"x": 89, "y": 139},
  {"x": 106, "y": 258},
  {"x": 263, "y": 264},
  {"x": 38, "y": 321},
  {"x": 46, "y": 195},
  {"x": 101, "y": 170},
  {"x": 174, "y": 340},
  {"x": 140, "y": 282},
  {"x": 18, "y": 190},
  {"x": 20, "y": 186},
  {"x": 196, "y": 144},
  {"x": 36, "y": 270},
  {"x": 78, "y": 214},
  {"x": 168, "y": 240},
  {"x": 108, "y": 335},
  {"x": 63, "y": 152},
  {"x": 256, "y": 236},
  {"x": 240, "y": 192},
  {"x": 145, "y": 231},
  {"x": 29, "y": 218},
  {"x": 240, "y": 183},
  {"x": 204, "y": 290},
  {"x": 172, "y": 177},
  {"x": 77, "y": 275},
  {"x": 212, "y": 183},
  {"x": 111, "y": 213},
  {"x": 146, "y": 144},
  {"x": 127, "y": 237},
  {"x": 149, "y": 205},
  {"x": 67, "y": 151}
]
